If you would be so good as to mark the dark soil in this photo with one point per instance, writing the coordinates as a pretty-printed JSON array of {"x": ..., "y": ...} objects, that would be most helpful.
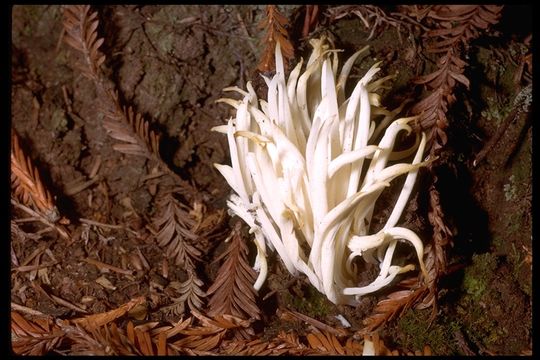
[{"x": 171, "y": 64}]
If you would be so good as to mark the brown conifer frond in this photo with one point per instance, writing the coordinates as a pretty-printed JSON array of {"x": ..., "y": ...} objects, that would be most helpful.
[
  {"x": 257, "y": 347},
  {"x": 291, "y": 341},
  {"x": 326, "y": 343},
  {"x": 122, "y": 123},
  {"x": 209, "y": 335},
  {"x": 435, "y": 259},
  {"x": 174, "y": 232},
  {"x": 39, "y": 337},
  {"x": 81, "y": 34},
  {"x": 192, "y": 292},
  {"x": 111, "y": 340},
  {"x": 394, "y": 304},
  {"x": 105, "y": 340},
  {"x": 232, "y": 291},
  {"x": 26, "y": 183},
  {"x": 177, "y": 236},
  {"x": 97, "y": 320},
  {"x": 456, "y": 26},
  {"x": 274, "y": 23},
  {"x": 129, "y": 127}
]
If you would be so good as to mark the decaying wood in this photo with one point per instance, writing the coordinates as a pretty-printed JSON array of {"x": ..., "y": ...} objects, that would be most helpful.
[
  {"x": 232, "y": 291},
  {"x": 275, "y": 25}
]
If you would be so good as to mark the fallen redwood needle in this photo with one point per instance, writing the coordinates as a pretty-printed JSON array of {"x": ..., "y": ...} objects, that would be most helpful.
[{"x": 102, "y": 265}]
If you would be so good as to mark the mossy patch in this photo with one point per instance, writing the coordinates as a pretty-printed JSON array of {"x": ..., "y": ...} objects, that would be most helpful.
[
  {"x": 487, "y": 302},
  {"x": 311, "y": 303},
  {"x": 478, "y": 276},
  {"x": 417, "y": 331}
]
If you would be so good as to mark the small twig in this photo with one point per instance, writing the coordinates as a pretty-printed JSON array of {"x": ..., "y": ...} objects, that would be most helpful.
[
  {"x": 40, "y": 218},
  {"x": 67, "y": 304},
  {"x": 316, "y": 323},
  {"x": 522, "y": 103},
  {"x": 107, "y": 226},
  {"x": 143, "y": 259},
  {"x": 495, "y": 138},
  {"x": 153, "y": 175},
  {"x": 27, "y": 268},
  {"x": 102, "y": 265},
  {"x": 246, "y": 33},
  {"x": 95, "y": 167},
  {"x": 36, "y": 106},
  {"x": 77, "y": 186},
  {"x": 41, "y": 248},
  {"x": 27, "y": 310},
  {"x": 14, "y": 259},
  {"x": 50, "y": 254},
  {"x": 309, "y": 19},
  {"x": 80, "y": 122},
  {"x": 410, "y": 20}
]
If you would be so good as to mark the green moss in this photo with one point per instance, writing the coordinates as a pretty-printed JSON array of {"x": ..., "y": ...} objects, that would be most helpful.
[
  {"x": 484, "y": 308},
  {"x": 416, "y": 331},
  {"x": 312, "y": 303},
  {"x": 478, "y": 276},
  {"x": 478, "y": 325},
  {"x": 514, "y": 224}
]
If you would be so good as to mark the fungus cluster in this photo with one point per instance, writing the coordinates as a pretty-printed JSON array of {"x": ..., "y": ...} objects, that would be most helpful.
[{"x": 308, "y": 166}]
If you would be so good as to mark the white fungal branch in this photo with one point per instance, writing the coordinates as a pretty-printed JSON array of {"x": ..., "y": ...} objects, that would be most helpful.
[{"x": 307, "y": 167}]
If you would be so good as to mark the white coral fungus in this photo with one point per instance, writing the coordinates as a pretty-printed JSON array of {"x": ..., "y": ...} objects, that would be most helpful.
[{"x": 307, "y": 167}]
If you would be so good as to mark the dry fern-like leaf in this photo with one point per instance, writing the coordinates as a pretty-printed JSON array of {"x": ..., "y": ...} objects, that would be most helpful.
[
  {"x": 275, "y": 24},
  {"x": 325, "y": 343},
  {"x": 147, "y": 343},
  {"x": 456, "y": 25},
  {"x": 435, "y": 258},
  {"x": 394, "y": 304},
  {"x": 111, "y": 340},
  {"x": 122, "y": 123},
  {"x": 191, "y": 294},
  {"x": 132, "y": 130},
  {"x": 174, "y": 232},
  {"x": 26, "y": 183},
  {"x": 98, "y": 320},
  {"x": 232, "y": 292},
  {"x": 257, "y": 347},
  {"x": 104, "y": 340},
  {"x": 208, "y": 336},
  {"x": 39, "y": 337},
  {"x": 81, "y": 34}
]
